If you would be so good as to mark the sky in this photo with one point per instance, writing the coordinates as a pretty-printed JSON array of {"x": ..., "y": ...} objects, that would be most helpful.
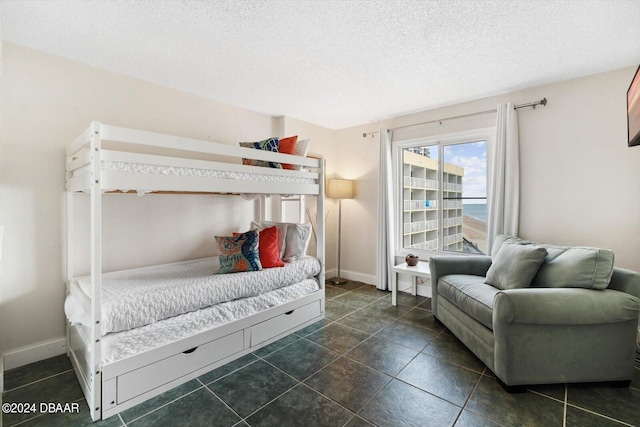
[{"x": 472, "y": 157}]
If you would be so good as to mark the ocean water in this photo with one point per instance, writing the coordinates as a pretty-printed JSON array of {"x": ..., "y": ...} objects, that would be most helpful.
[{"x": 478, "y": 211}]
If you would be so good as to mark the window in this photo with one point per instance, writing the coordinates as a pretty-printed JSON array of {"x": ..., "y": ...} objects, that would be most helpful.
[{"x": 443, "y": 193}]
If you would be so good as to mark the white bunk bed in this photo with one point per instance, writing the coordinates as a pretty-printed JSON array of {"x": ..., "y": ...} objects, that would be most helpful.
[{"x": 113, "y": 386}]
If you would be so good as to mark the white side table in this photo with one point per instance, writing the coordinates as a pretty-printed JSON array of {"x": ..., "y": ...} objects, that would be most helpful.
[{"x": 420, "y": 270}]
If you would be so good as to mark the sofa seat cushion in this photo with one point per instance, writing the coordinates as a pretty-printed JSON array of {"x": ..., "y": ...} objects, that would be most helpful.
[{"x": 470, "y": 294}]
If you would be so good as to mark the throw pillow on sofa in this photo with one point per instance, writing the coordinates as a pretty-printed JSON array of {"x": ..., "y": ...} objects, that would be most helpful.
[{"x": 515, "y": 266}]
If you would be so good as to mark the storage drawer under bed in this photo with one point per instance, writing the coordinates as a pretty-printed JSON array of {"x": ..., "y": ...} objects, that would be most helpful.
[
  {"x": 141, "y": 380},
  {"x": 129, "y": 385},
  {"x": 277, "y": 325}
]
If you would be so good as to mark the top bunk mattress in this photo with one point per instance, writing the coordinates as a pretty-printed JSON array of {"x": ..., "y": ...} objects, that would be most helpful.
[
  {"x": 145, "y": 168},
  {"x": 138, "y": 297}
]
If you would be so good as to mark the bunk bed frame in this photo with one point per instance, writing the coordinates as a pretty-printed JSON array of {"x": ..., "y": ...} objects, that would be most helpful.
[{"x": 122, "y": 384}]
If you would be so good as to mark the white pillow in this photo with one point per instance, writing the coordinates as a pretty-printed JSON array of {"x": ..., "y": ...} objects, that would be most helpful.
[
  {"x": 296, "y": 240},
  {"x": 298, "y": 237},
  {"x": 302, "y": 149}
]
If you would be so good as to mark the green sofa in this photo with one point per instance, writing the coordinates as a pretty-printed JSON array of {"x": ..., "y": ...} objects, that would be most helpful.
[{"x": 553, "y": 314}]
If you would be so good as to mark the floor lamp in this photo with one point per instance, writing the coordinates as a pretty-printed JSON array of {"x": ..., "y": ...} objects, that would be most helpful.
[{"x": 339, "y": 189}]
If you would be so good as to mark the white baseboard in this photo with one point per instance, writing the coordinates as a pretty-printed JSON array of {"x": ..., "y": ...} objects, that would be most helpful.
[
  {"x": 34, "y": 353},
  {"x": 423, "y": 289},
  {"x": 330, "y": 274},
  {"x": 352, "y": 275}
]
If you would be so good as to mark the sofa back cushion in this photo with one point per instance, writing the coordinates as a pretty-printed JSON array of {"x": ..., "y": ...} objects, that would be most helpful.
[{"x": 567, "y": 266}]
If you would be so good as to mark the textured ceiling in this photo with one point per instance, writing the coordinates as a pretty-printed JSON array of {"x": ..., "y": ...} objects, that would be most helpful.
[{"x": 335, "y": 63}]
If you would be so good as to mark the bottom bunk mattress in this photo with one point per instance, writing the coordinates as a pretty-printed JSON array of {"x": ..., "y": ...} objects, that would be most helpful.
[
  {"x": 120, "y": 345},
  {"x": 139, "y": 297}
]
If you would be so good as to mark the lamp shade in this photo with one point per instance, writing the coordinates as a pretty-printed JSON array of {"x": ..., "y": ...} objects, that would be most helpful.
[{"x": 340, "y": 189}]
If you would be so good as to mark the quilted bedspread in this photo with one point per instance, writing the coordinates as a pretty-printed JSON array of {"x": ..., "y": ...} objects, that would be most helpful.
[
  {"x": 134, "y": 341},
  {"x": 134, "y": 298}
]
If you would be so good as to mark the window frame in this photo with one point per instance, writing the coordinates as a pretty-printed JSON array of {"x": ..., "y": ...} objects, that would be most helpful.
[{"x": 441, "y": 140}]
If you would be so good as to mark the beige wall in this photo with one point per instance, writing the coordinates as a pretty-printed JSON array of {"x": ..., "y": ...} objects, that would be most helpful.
[
  {"x": 48, "y": 101},
  {"x": 322, "y": 138},
  {"x": 580, "y": 183}
]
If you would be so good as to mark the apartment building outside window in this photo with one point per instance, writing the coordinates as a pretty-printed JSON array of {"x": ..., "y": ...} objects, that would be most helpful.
[{"x": 442, "y": 193}]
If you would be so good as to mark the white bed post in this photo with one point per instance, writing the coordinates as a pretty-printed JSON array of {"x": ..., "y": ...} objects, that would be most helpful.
[
  {"x": 96, "y": 271},
  {"x": 320, "y": 223},
  {"x": 302, "y": 208},
  {"x": 259, "y": 209},
  {"x": 69, "y": 238}
]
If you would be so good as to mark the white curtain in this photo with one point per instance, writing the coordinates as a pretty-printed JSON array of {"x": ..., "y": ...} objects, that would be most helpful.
[
  {"x": 386, "y": 222},
  {"x": 504, "y": 190}
]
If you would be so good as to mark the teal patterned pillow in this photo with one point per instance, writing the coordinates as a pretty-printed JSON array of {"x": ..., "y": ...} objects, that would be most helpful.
[
  {"x": 270, "y": 144},
  {"x": 239, "y": 253}
]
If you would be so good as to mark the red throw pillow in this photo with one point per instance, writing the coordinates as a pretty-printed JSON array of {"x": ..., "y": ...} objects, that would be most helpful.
[
  {"x": 288, "y": 146},
  {"x": 268, "y": 248}
]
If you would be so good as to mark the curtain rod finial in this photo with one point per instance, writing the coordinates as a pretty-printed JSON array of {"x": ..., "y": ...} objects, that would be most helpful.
[{"x": 543, "y": 102}]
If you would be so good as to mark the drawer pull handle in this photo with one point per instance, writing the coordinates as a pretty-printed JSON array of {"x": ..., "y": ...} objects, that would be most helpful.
[
  {"x": 191, "y": 350},
  {"x": 289, "y": 312}
]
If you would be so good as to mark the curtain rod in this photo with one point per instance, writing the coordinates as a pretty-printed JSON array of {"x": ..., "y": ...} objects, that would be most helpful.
[{"x": 542, "y": 102}]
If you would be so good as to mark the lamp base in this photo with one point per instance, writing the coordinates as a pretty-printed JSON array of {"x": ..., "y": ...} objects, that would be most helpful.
[{"x": 337, "y": 281}]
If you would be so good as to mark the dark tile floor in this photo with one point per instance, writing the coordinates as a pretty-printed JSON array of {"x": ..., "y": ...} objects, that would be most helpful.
[{"x": 367, "y": 363}]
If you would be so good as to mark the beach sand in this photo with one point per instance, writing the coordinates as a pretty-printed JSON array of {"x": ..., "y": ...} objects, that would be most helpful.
[{"x": 475, "y": 231}]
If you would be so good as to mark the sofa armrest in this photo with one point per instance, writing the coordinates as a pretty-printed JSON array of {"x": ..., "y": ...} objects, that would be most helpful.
[
  {"x": 559, "y": 335},
  {"x": 565, "y": 306},
  {"x": 624, "y": 280},
  {"x": 440, "y": 266}
]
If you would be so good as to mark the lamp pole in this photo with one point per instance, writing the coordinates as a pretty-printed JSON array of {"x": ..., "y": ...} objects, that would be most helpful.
[{"x": 337, "y": 280}]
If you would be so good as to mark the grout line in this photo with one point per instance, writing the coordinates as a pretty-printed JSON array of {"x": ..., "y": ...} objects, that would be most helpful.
[
  {"x": 279, "y": 348},
  {"x": 372, "y": 398},
  {"x": 599, "y": 414},
  {"x": 122, "y": 420},
  {"x": 348, "y": 349},
  {"x": 24, "y": 421},
  {"x": 365, "y": 332},
  {"x": 345, "y": 355},
  {"x": 37, "y": 381},
  {"x": 451, "y": 362},
  {"x": 229, "y": 373},
  {"x": 331, "y": 399},
  {"x": 346, "y": 423},
  {"x": 566, "y": 398},
  {"x": 165, "y": 404},
  {"x": 314, "y": 372},
  {"x": 297, "y": 383},
  {"x": 225, "y": 404},
  {"x": 376, "y": 334},
  {"x": 370, "y": 367},
  {"x": 319, "y": 329},
  {"x": 414, "y": 386},
  {"x": 428, "y": 392},
  {"x": 475, "y": 387},
  {"x": 285, "y": 372},
  {"x": 547, "y": 396}
]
